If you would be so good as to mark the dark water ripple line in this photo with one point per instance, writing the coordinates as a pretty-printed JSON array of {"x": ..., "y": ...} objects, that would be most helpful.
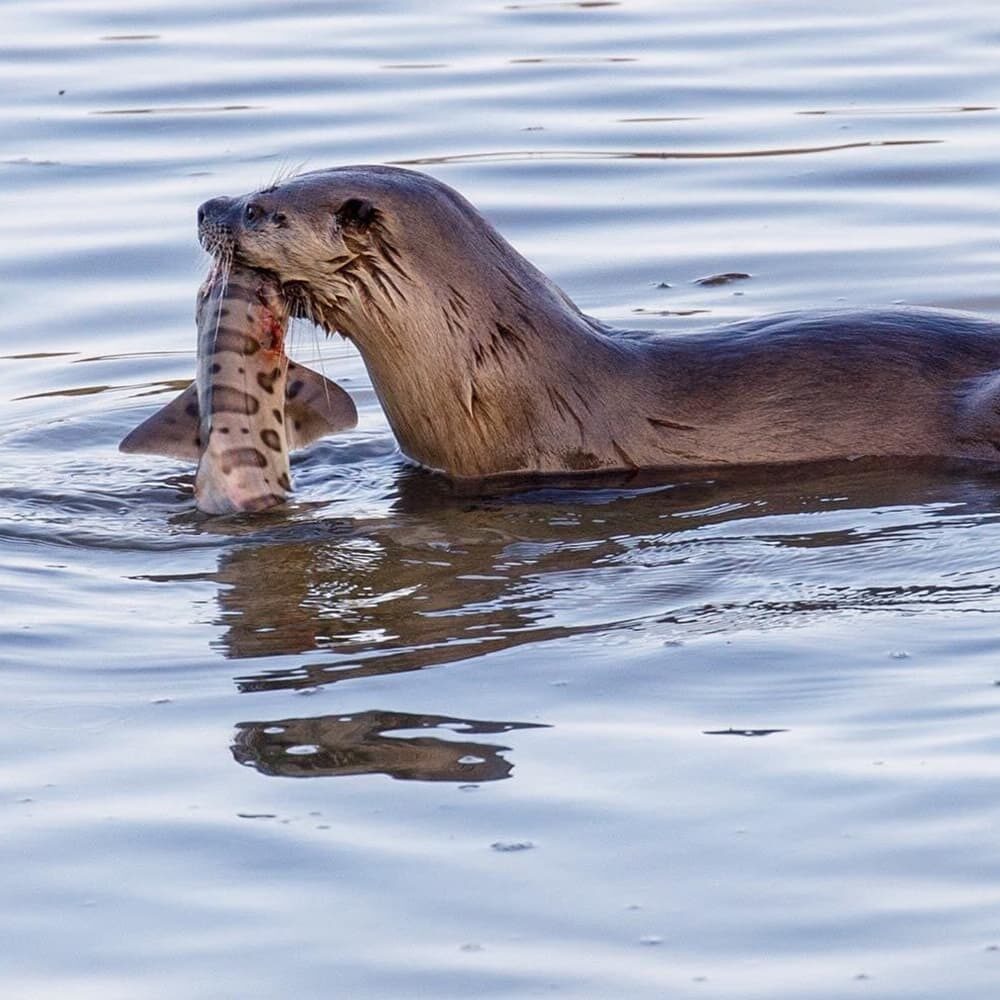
[
  {"x": 597, "y": 154},
  {"x": 151, "y": 388},
  {"x": 182, "y": 164},
  {"x": 549, "y": 4},
  {"x": 181, "y": 109},
  {"x": 48, "y": 535},
  {"x": 60, "y": 533},
  {"x": 889, "y": 111}
]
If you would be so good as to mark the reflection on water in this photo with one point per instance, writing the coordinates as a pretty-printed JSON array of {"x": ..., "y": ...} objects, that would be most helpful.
[
  {"x": 444, "y": 577},
  {"x": 358, "y": 744}
]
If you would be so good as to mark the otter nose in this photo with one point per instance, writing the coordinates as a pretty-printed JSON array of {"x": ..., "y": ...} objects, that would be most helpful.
[{"x": 212, "y": 210}]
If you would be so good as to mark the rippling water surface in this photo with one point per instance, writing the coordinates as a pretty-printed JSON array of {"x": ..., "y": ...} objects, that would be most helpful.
[{"x": 726, "y": 737}]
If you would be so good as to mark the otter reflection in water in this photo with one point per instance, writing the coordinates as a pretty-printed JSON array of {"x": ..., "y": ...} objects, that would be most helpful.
[
  {"x": 358, "y": 744},
  {"x": 441, "y": 580}
]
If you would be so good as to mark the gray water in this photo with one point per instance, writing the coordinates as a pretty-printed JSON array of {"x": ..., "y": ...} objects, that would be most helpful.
[{"x": 723, "y": 738}]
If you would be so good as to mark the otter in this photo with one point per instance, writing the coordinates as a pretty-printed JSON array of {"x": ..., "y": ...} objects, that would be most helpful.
[{"x": 486, "y": 368}]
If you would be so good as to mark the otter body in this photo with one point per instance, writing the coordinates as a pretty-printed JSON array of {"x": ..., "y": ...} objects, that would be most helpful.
[{"x": 485, "y": 368}]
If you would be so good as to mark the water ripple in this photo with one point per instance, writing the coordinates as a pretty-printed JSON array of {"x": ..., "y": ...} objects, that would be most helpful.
[{"x": 636, "y": 154}]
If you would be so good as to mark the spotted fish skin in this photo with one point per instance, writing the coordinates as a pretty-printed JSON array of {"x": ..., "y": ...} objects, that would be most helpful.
[
  {"x": 242, "y": 371},
  {"x": 248, "y": 404}
]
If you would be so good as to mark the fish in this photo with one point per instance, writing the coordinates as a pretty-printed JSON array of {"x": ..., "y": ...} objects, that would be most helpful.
[{"x": 249, "y": 404}]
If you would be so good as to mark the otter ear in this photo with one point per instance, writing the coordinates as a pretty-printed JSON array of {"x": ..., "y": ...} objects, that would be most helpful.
[{"x": 355, "y": 213}]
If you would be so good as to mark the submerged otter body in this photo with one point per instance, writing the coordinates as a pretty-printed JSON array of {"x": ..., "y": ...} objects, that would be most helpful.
[{"x": 485, "y": 368}]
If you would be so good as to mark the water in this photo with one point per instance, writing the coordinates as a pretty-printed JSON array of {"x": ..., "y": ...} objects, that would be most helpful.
[{"x": 728, "y": 738}]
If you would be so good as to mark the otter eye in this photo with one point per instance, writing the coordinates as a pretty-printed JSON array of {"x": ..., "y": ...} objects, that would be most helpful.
[
  {"x": 252, "y": 213},
  {"x": 356, "y": 212}
]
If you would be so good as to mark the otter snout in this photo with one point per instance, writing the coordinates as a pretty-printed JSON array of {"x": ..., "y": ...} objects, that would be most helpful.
[
  {"x": 215, "y": 229},
  {"x": 213, "y": 210}
]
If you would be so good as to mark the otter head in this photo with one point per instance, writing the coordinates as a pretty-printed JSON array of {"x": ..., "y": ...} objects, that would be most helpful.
[
  {"x": 452, "y": 323},
  {"x": 360, "y": 249},
  {"x": 277, "y": 229}
]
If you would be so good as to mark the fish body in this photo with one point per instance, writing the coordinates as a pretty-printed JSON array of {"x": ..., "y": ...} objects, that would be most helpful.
[
  {"x": 242, "y": 374},
  {"x": 249, "y": 404}
]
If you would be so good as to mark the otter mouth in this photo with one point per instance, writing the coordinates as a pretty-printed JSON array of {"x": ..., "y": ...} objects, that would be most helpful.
[
  {"x": 302, "y": 304},
  {"x": 219, "y": 242},
  {"x": 216, "y": 240}
]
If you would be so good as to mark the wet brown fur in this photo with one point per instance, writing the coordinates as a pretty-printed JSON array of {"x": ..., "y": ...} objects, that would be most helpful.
[{"x": 484, "y": 367}]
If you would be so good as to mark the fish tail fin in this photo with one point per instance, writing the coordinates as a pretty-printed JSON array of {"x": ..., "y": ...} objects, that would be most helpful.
[
  {"x": 173, "y": 431},
  {"x": 315, "y": 406}
]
